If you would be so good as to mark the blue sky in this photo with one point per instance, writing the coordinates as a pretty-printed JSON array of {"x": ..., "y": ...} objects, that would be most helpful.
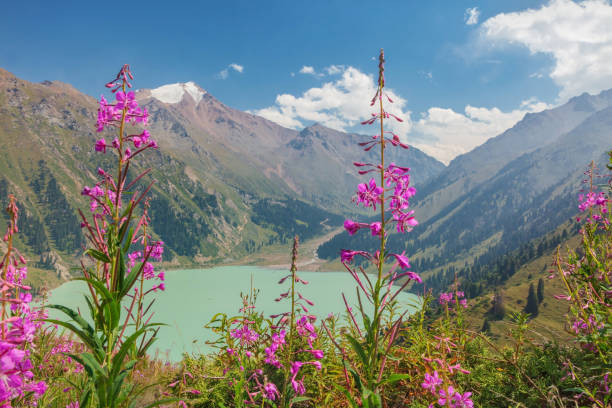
[{"x": 462, "y": 71}]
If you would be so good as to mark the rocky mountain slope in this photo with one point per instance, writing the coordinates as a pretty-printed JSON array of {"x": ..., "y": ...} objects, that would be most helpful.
[
  {"x": 314, "y": 164},
  {"x": 227, "y": 182},
  {"x": 516, "y": 187}
]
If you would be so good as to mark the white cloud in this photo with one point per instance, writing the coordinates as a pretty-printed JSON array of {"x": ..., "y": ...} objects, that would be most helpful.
[
  {"x": 578, "y": 36},
  {"x": 444, "y": 133},
  {"x": 340, "y": 104},
  {"x": 233, "y": 66},
  {"x": 471, "y": 16},
  {"x": 306, "y": 69},
  {"x": 334, "y": 69},
  {"x": 236, "y": 67},
  {"x": 344, "y": 103}
]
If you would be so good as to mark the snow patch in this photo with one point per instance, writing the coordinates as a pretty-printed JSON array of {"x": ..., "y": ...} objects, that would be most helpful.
[
  {"x": 194, "y": 91},
  {"x": 173, "y": 93}
]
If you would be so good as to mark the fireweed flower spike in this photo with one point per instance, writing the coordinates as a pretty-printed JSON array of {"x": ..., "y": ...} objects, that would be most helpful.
[
  {"x": 118, "y": 272},
  {"x": 388, "y": 190},
  {"x": 586, "y": 276},
  {"x": 18, "y": 324},
  {"x": 267, "y": 360}
]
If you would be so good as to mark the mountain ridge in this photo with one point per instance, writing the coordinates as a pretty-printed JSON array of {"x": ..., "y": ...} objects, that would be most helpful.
[{"x": 221, "y": 174}]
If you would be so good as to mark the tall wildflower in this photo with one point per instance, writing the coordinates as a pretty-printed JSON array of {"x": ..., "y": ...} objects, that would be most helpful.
[
  {"x": 18, "y": 325},
  {"x": 270, "y": 364},
  {"x": 120, "y": 254},
  {"x": 388, "y": 191},
  {"x": 299, "y": 349},
  {"x": 587, "y": 277}
]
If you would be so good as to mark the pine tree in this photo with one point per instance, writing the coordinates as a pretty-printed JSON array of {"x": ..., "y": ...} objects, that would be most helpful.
[
  {"x": 486, "y": 326},
  {"x": 540, "y": 290},
  {"x": 498, "y": 310},
  {"x": 532, "y": 302}
]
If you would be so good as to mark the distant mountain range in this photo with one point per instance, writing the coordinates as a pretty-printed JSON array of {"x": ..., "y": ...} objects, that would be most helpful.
[
  {"x": 516, "y": 187},
  {"x": 228, "y": 182}
]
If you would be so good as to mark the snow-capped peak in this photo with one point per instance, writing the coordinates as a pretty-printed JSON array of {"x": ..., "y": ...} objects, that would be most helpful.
[{"x": 173, "y": 93}]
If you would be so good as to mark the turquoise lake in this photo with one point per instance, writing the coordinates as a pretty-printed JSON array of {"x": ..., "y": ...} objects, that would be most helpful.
[{"x": 192, "y": 297}]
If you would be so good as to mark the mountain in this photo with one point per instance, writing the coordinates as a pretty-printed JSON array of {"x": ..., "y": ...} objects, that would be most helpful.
[
  {"x": 314, "y": 164},
  {"x": 516, "y": 187},
  {"x": 228, "y": 183}
]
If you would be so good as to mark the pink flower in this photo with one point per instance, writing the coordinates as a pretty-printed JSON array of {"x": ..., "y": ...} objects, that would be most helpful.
[
  {"x": 462, "y": 401},
  {"x": 402, "y": 260},
  {"x": 445, "y": 298},
  {"x": 446, "y": 395},
  {"x": 270, "y": 391},
  {"x": 351, "y": 226},
  {"x": 347, "y": 255},
  {"x": 376, "y": 228},
  {"x": 369, "y": 194},
  {"x": 405, "y": 221},
  {"x": 318, "y": 354},
  {"x": 431, "y": 381},
  {"x": 101, "y": 146}
]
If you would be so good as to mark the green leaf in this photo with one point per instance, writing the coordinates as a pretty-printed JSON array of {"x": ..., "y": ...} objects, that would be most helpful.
[
  {"x": 100, "y": 256},
  {"x": 75, "y": 316},
  {"x": 393, "y": 378},
  {"x": 117, "y": 361},
  {"x": 121, "y": 273},
  {"x": 130, "y": 279},
  {"x": 116, "y": 388},
  {"x": 160, "y": 402},
  {"x": 88, "y": 361},
  {"x": 574, "y": 389},
  {"x": 99, "y": 287},
  {"x": 298, "y": 399},
  {"x": 358, "y": 349},
  {"x": 128, "y": 241},
  {"x": 355, "y": 376},
  {"x": 87, "y": 338},
  {"x": 348, "y": 395},
  {"x": 375, "y": 399},
  {"x": 85, "y": 398}
]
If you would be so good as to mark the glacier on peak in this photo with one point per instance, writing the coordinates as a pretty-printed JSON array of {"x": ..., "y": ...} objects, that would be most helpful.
[{"x": 173, "y": 93}]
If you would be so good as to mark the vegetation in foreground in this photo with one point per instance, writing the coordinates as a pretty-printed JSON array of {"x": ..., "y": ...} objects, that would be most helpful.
[{"x": 375, "y": 355}]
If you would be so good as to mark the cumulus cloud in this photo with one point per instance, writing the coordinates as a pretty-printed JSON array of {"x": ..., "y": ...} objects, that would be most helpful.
[
  {"x": 441, "y": 132},
  {"x": 307, "y": 69},
  {"x": 340, "y": 104},
  {"x": 233, "y": 66},
  {"x": 445, "y": 134},
  {"x": 471, "y": 16},
  {"x": 577, "y": 35}
]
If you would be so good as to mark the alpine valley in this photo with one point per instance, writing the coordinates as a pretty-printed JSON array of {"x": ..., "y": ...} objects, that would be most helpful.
[{"x": 229, "y": 184}]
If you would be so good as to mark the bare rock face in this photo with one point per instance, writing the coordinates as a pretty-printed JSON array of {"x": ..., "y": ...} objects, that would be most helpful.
[{"x": 52, "y": 259}]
